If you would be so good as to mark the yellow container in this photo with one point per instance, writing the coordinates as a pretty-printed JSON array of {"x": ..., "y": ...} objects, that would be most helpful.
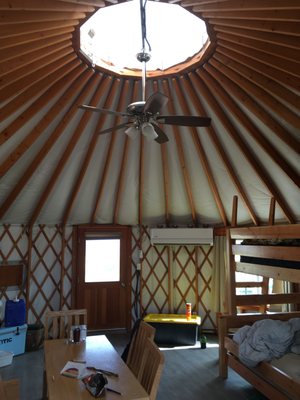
[{"x": 174, "y": 329}]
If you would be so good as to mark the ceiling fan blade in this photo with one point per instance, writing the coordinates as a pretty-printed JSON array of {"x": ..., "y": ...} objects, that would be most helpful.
[
  {"x": 183, "y": 120},
  {"x": 102, "y": 110},
  {"x": 155, "y": 103},
  {"x": 114, "y": 128},
  {"x": 162, "y": 137}
]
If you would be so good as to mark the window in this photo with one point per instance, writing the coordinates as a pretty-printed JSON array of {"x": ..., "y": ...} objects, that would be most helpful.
[{"x": 102, "y": 260}]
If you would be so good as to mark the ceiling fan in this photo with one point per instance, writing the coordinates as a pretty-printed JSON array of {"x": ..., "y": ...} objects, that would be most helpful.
[{"x": 144, "y": 116}]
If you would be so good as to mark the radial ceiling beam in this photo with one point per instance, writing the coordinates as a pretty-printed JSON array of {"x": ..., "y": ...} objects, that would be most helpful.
[
  {"x": 108, "y": 161},
  {"x": 123, "y": 101},
  {"x": 291, "y": 15},
  {"x": 198, "y": 144},
  {"x": 238, "y": 93},
  {"x": 14, "y": 41},
  {"x": 166, "y": 176},
  {"x": 262, "y": 174},
  {"x": 26, "y": 97},
  {"x": 274, "y": 88},
  {"x": 29, "y": 17},
  {"x": 93, "y": 3},
  {"x": 275, "y": 49},
  {"x": 243, "y": 89},
  {"x": 79, "y": 83},
  {"x": 283, "y": 27},
  {"x": 290, "y": 67},
  {"x": 232, "y": 5},
  {"x": 124, "y": 163},
  {"x": 30, "y": 80},
  {"x": 83, "y": 169},
  {"x": 15, "y": 30},
  {"x": 64, "y": 158},
  {"x": 23, "y": 53},
  {"x": 37, "y": 105},
  {"x": 288, "y": 41},
  {"x": 56, "y": 53},
  {"x": 45, "y": 6},
  {"x": 181, "y": 157},
  {"x": 269, "y": 71},
  {"x": 198, "y": 83}
]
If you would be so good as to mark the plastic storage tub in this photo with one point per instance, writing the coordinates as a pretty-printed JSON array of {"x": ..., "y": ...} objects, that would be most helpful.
[
  {"x": 13, "y": 339},
  {"x": 5, "y": 358},
  {"x": 174, "y": 329}
]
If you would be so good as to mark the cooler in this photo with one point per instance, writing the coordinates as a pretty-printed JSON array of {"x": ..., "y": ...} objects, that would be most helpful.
[
  {"x": 12, "y": 339},
  {"x": 174, "y": 329}
]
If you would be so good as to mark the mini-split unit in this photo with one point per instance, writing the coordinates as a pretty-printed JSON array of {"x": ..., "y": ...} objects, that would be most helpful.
[{"x": 181, "y": 236}]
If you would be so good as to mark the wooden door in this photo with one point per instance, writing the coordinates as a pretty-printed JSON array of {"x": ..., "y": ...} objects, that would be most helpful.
[{"x": 105, "y": 294}]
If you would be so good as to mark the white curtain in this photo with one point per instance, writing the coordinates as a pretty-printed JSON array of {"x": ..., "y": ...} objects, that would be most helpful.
[{"x": 219, "y": 276}]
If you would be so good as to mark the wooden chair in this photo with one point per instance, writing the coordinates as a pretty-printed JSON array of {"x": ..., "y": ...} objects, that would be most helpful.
[
  {"x": 58, "y": 323},
  {"x": 137, "y": 346},
  {"x": 151, "y": 368},
  {"x": 10, "y": 390}
]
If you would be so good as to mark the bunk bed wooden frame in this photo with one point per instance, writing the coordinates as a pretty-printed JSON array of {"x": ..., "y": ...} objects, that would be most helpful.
[{"x": 269, "y": 380}]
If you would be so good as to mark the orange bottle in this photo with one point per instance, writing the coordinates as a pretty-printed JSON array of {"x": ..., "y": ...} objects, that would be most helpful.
[{"x": 188, "y": 310}]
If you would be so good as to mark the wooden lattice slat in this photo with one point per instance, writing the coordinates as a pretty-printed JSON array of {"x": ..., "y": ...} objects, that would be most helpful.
[
  {"x": 169, "y": 276},
  {"x": 13, "y": 247}
]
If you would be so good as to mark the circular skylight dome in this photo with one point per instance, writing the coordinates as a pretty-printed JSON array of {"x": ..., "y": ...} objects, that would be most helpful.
[{"x": 112, "y": 37}]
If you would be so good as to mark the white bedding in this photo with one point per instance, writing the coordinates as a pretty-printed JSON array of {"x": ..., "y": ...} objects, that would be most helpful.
[
  {"x": 265, "y": 340},
  {"x": 290, "y": 364}
]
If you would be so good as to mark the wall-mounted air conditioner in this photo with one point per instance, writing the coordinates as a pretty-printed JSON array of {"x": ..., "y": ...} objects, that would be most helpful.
[{"x": 181, "y": 236}]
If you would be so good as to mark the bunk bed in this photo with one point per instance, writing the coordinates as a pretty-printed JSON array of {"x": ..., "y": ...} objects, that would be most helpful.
[{"x": 270, "y": 243}]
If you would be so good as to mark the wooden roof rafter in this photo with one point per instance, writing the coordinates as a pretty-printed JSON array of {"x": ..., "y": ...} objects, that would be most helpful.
[
  {"x": 81, "y": 81},
  {"x": 45, "y": 5},
  {"x": 31, "y": 79},
  {"x": 63, "y": 159},
  {"x": 262, "y": 174},
  {"x": 199, "y": 147},
  {"x": 61, "y": 77},
  {"x": 276, "y": 89},
  {"x": 112, "y": 138},
  {"x": 200, "y": 84},
  {"x": 179, "y": 146},
  {"x": 237, "y": 92},
  {"x": 166, "y": 175},
  {"x": 57, "y": 53},
  {"x": 120, "y": 179},
  {"x": 231, "y": 5},
  {"x": 83, "y": 168}
]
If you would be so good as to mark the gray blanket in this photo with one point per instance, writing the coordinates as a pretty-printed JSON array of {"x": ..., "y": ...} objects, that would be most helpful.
[{"x": 265, "y": 340}]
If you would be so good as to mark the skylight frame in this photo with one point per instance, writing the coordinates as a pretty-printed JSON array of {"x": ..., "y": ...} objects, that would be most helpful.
[{"x": 190, "y": 60}]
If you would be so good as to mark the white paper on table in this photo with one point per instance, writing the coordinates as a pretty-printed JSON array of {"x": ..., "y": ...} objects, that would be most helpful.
[{"x": 75, "y": 370}]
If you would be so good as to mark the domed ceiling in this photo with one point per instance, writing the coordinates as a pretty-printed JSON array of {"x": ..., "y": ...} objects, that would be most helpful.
[{"x": 56, "y": 168}]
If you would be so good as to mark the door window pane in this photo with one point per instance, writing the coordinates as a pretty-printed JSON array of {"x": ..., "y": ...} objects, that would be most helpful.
[{"x": 102, "y": 260}]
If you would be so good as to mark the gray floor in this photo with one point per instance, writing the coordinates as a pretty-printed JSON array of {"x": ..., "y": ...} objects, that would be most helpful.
[{"x": 189, "y": 373}]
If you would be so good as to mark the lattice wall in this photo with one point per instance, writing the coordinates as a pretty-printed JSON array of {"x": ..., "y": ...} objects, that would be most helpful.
[
  {"x": 169, "y": 276},
  {"x": 46, "y": 253}
]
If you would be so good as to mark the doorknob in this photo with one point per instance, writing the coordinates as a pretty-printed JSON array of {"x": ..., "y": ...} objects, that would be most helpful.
[{"x": 123, "y": 284}]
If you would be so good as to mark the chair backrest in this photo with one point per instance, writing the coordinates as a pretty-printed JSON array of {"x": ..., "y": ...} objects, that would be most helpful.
[
  {"x": 151, "y": 369},
  {"x": 9, "y": 390},
  {"x": 58, "y": 323},
  {"x": 137, "y": 346}
]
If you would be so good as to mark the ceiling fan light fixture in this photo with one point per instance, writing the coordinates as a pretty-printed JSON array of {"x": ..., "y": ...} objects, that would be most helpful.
[
  {"x": 132, "y": 132},
  {"x": 148, "y": 131}
]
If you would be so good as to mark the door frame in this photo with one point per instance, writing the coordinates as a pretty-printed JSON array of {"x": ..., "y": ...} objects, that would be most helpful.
[{"x": 126, "y": 232}]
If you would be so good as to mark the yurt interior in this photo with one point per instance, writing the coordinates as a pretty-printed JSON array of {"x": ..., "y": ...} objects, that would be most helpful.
[{"x": 149, "y": 199}]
